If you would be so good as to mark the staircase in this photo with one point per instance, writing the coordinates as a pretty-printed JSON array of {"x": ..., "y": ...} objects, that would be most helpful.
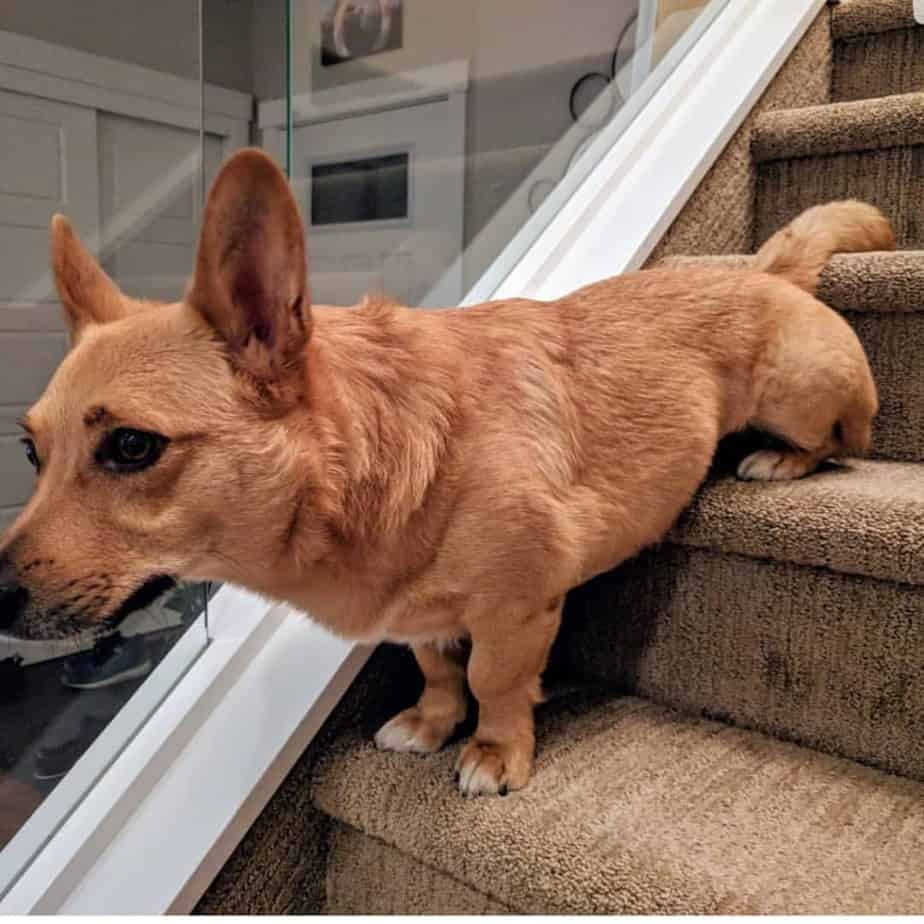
[{"x": 736, "y": 719}]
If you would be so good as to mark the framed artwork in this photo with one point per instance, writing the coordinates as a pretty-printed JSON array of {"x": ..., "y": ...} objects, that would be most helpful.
[{"x": 352, "y": 29}]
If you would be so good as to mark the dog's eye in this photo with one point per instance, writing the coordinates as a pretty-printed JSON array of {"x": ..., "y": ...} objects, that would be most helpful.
[
  {"x": 31, "y": 453},
  {"x": 126, "y": 450}
]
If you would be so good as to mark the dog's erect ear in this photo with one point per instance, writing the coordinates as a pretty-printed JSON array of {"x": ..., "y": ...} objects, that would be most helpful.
[
  {"x": 251, "y": 280},
  {"x": 88, "y": 295}
]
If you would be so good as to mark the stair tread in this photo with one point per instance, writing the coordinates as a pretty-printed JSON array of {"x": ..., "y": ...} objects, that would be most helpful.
[
  {"x": 636, "y": 809},
  {"x": 836, "y": 128},
  {"x": 857, "y": 517},
  {"x": 885, "y": 281},
  {"x": 852, "y": 18}
]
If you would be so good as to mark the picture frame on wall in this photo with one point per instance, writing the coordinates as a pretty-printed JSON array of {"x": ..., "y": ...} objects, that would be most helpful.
[{"x": 352, "y": 29}]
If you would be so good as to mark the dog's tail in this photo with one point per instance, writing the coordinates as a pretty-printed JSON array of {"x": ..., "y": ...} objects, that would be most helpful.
[{"x": 800, "y": 251}]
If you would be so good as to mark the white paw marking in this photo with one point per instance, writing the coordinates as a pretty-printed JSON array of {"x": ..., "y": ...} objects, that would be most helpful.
[
  {"x": 396, "y": 735},
  {"x": 766, "y": 465}
]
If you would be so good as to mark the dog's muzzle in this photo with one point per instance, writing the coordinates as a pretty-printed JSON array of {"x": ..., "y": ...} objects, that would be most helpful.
[{"x": 14, "y": 598}]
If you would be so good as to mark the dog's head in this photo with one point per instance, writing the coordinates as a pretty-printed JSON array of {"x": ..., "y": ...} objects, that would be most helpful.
[{"x": 164, "y": 434}]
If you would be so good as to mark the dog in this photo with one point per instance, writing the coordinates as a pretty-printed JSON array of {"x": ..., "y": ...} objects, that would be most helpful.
[{"x": 421, "y": 476}]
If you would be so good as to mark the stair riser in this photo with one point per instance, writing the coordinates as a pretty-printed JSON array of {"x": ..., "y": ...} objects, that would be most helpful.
[
  {"x": 367, "y": 876},
  {"x": 825, "y": 659},
  {"x": 890, "y": 178},
  {"x": 894, "y": 344},
  {"x": 879, "y": 64},
  {"x": 892, "y": 341}
]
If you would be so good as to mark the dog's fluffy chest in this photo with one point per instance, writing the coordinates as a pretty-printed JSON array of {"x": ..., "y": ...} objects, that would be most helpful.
[{"x": 370, "y": 611}]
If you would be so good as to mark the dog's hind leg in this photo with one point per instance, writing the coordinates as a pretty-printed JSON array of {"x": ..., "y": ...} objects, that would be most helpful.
[
  {"x": 816, "y": 393},
  {"x": 784, "y": 464},
  {"x": 817, "y": 425}
]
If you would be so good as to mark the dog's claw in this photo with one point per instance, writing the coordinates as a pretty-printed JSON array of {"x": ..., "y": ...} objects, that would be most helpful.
[{"x": 485, "y": 769}]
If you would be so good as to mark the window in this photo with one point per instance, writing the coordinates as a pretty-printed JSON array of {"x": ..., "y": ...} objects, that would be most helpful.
[
  {"x": 102, "y": 122},
  {"x": 371, "y": 189}
]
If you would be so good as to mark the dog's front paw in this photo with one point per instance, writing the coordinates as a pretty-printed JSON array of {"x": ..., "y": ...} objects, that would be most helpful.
[
  {"x": 772, "y": 465},
  {"x": 410, "y": 731},
  {"x": 492, "y": 769}
]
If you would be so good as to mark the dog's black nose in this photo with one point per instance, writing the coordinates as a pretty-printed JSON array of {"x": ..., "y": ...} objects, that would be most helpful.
[{"x": 13, "y": 596}]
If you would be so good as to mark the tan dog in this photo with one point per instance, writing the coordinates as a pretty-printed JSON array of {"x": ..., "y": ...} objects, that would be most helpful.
[{"x": 419, "y": 476}]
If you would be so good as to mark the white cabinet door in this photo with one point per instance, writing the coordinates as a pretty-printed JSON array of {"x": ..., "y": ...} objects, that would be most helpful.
[
  {"x": 383, "y": 198},
  {"x": 49, "y": 162},
  {"x": 151, "y": 202}
]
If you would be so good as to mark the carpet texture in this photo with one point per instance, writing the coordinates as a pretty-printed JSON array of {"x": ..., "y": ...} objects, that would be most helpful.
[
  {"x": 358, "y": 865},
  {"x": 856, "y": 19},
  {"x": 857, "y": 517},
  {"x": 637, "y": 809},
  {"x": 839, "y": 128},
  {"x": 825, "y": 659},
  {"x": 886, "y": 282},
  {"x": 877, "y": 65},
  {"x": 869, "y": 149},
  {"x": 736, "y": 718},
  {"x": 878, "y": 51}
]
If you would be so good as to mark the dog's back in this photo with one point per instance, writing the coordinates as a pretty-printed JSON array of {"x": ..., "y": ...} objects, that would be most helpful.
[{"x": 605, "y": 407}]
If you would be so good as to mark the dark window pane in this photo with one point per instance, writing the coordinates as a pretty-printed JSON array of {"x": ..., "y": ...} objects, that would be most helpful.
[{"x": 371, "y": 189}]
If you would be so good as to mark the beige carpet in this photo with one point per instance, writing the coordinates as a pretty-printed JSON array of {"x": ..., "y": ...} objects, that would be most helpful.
[
  {"x": 633, "y": 808},
  {"x": 783, "y": 623}
]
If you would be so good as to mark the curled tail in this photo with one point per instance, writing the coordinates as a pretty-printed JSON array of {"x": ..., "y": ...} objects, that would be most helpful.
[{"x": 800, "y": 251}]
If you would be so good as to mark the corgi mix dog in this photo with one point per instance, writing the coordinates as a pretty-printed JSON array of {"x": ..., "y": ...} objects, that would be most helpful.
[{"x": 425, "y": 477}]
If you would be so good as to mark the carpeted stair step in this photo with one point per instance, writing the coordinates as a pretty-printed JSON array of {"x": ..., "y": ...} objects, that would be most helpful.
[
  {"x": 855, "y": 517},
  {"x": 793, "y": 608},
  {"x": 878, "y": 49},
  {"x": 633, "y": 809},
  {"x": 868, "y": 149},
  {"x": 882, "y": 296}
]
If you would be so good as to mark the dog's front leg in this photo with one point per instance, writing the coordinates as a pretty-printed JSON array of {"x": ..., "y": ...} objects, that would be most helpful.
[
  {"x": 441, "y": 707},
  {"x": 509, "y": 654}
]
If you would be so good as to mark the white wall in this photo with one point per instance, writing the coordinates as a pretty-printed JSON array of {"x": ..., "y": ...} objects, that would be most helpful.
[{"x": 159, "y": 34}]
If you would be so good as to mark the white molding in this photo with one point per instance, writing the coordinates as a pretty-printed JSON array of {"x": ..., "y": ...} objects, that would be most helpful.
[
  {"x": 38, "y": 68},
  {"x": 373, "y": 95},
  {"x": 614, "y": 219},
  {"x": 168, "y": 811},
  {"x": 919, "y": 10}
]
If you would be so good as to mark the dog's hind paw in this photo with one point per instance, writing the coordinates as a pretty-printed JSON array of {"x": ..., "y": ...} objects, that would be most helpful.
[
  {"x": 410, "y": 731},
  {"x": 776, "y": 465}
]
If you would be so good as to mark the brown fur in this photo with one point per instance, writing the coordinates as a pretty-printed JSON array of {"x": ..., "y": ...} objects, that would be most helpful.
[{"x": 420, "y": 476}]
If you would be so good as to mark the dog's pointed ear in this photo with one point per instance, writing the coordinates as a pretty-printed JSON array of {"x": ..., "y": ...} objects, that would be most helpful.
[
  {"x": 251, "y": 279},
  {"x": 88, "y": 295}
]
